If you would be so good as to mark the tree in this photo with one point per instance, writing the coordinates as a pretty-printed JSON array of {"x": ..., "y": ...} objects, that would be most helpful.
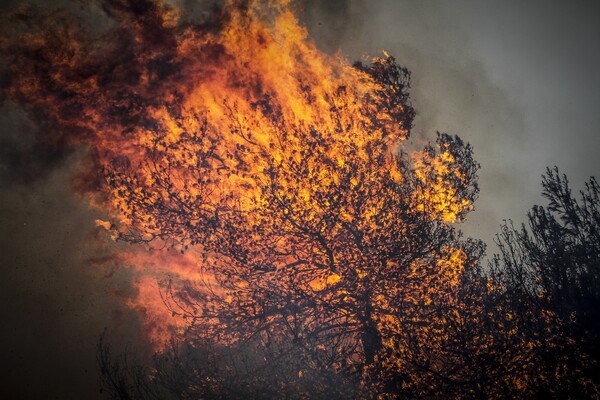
[
  {"x": 315, "y": 236},
  {"x": 549, "y": 272}
]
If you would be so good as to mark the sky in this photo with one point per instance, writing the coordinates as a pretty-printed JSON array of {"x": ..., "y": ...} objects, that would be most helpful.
[{"x": 518, "y": 80}]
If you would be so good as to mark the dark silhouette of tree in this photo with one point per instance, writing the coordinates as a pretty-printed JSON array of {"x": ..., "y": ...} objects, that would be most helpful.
[{"x": 549, "y": 275}]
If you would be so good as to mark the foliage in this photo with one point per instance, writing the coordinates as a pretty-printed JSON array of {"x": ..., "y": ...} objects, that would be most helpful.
[{"x": 549, "y": 275}]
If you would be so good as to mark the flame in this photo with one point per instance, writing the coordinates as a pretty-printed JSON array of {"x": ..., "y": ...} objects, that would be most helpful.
[
  {"x": 154, "y": 271},
  {"x": 202, "y": 119}
]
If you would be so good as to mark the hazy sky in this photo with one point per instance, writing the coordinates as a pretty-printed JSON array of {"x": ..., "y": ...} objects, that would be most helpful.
[{"x": 519, "y": 81}]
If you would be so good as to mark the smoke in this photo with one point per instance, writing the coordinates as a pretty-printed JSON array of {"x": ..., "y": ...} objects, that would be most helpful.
[
  {"x": 60, "y": 290},
  {"x": 333, "y": 23},
  {"x": 62, "y": 284}
]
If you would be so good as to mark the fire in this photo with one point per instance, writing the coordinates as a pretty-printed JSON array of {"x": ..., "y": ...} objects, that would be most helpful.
[
  {"x": 153, "y": 272},
  {"x": 203, "y": 124}
]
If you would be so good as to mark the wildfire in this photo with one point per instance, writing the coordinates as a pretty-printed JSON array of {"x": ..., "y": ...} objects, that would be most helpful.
[{"x": 237, "y": 118}]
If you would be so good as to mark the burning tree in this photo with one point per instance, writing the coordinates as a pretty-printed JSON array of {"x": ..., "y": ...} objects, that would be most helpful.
[{"x": 323, "y": 243}]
